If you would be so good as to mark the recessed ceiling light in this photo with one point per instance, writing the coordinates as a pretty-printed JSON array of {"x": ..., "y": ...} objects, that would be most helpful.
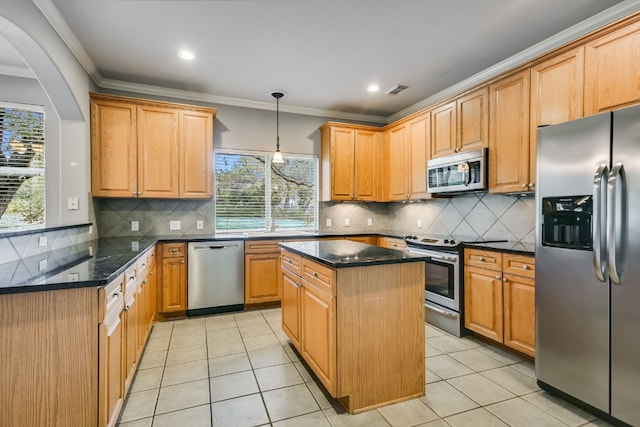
[
  {"x": 186, "y": 54},
  {"x": 373, "y": 88}
]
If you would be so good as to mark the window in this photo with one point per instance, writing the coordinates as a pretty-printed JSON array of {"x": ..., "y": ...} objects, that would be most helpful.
[
  {"x": 254, "y": 194},
  {"x": 22, "y": 202}
]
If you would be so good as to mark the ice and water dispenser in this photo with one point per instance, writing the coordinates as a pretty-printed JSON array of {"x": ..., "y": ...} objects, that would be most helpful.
[{"x": 566, "y": 222}]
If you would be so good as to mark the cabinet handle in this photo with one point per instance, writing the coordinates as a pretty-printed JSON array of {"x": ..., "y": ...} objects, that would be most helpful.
[
  {"x": 131, "y": 278},
  {"x": 525, "y": 267},
  {"x": 173, "y": 250},
  {"x": 497, "y": 277},
  {"x": 289, "y": 261},
  {"x": 116, "y": 295},
  {"x": 504, "y": 279},
  {"x": 524, "y": 185},
  {"x": 315, "y": 274},
  {"x": 481, "y": 259},
  {"x": 127, "y": 307},
  {"x": 532, "y": 184},
  {"x": 182, "y": 262}
]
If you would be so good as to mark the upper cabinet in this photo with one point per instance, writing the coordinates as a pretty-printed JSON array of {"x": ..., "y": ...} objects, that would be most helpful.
[
  {"x": 509, "y": 134},
  {"x": 557, "y": 87},
  {"x": 612, "y": 70},
  {"x": 150, "y": 149},
  {"x": 406, "y": 151},
  {"x": 460, "y": 125},
  {"x": 351, "y": 162}
]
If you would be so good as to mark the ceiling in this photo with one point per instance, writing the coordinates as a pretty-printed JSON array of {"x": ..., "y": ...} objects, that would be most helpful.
[{"x": 322, "y": 53}]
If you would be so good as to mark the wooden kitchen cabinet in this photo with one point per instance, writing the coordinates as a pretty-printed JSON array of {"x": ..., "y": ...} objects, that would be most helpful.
[
  {"x": 443, "y": 125},
  {"x": 612, "y": 70},
  {"x": 332, "y": 321},
  {"x": 262, "y": 272},
  {"x": 406, "y": 151},
  {"x": 131, "y": 324},
  {"x": 174, "y": 277},
  {"x": 351, "y": 162},
  {"x": 111, "y": 343},
  {"x": 461, "y": 125},
  {"x": 142, "y": 148},
  {"x": 391, "y": 243},
  {"x": 499, "y": 292},
  {"x": 557, "y": 87},
  {"x": 509, "y": 135}
]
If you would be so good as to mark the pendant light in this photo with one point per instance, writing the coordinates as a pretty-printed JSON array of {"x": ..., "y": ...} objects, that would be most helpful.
[{"x": 277, "y": 156}]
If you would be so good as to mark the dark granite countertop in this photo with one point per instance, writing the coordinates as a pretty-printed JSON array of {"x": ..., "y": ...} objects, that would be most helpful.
[
  {"x": 345, "y": 253},
  {"x": 98, "y": 262},
  {"x": 519, "y": 248}
]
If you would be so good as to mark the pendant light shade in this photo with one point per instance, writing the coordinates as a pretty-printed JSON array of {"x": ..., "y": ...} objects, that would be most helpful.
[{"x": 277, "y": 156}]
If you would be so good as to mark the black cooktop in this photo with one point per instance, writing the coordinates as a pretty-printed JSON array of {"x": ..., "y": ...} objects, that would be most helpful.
[{"x": 444, "y": 242}]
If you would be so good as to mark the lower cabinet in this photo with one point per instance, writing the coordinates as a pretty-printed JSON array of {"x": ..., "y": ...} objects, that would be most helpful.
[
  {"x": 262, "y": 272},
  {"x": 111, "y": 393},
  {"x": 174, "y": 277},
  {"x": 366, "y": 351},
  {"x": 499, "y": 298},
  {"x": 391, "y": 243}
]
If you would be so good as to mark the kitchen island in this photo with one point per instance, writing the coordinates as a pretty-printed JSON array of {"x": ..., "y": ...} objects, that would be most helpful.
[{"x": 355, "y": 312}]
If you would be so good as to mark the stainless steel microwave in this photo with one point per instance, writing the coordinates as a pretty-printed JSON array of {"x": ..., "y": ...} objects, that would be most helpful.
[{"x": 458, "y": 172}]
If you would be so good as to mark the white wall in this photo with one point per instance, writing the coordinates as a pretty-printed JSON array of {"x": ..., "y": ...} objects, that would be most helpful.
[{"x": 66, "y": 86}]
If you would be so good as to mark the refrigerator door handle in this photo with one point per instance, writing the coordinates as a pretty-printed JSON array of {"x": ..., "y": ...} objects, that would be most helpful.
[
  {"x": 616, "y": 221},
  {"x": 599, "y": 219}
]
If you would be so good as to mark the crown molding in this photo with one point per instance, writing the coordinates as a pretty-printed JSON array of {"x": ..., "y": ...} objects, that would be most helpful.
[
  {"x": 59, "y": 24},
  {"x": 570, "y": 34},
  {"x": 236, "y": 102}
]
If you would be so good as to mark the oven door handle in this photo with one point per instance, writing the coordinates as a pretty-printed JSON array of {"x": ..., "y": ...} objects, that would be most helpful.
[{"x": 443, "y": 312}]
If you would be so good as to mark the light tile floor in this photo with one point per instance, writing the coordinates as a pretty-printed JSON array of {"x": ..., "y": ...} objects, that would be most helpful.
[{"x": 239, "y": 370}]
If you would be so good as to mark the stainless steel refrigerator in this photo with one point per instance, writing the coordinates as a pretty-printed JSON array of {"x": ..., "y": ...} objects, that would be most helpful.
[{"x": 588, "y": 262}]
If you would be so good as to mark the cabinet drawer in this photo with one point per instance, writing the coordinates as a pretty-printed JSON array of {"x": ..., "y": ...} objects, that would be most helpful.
[
  {"x": 130, "y": 281},
  {"x": 261, "y": 246},
  {"x": 391, "y": 243},
  {"x": 173, "y": 250},
  {"x": 519, "y": 265},
  {"x": 484, "y": 259},
  {"x": 111, "y": 298},
  {"x": 291, "y": 262},
  {"x": 320, "y": 276}
]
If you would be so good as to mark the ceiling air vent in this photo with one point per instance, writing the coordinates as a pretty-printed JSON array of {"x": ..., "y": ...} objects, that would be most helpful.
[{"x": 396, "y": 89}]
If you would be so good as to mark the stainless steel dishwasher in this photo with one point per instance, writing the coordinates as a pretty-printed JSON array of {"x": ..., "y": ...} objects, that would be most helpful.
[{"x": 216, "y": 277}]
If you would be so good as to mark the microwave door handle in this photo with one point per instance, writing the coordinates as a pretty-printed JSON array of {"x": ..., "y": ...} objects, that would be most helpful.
[
  {"x": 599, "y": 220},
  {"x": 467, "y": 174},
  {"x": 615, "y": 229}
]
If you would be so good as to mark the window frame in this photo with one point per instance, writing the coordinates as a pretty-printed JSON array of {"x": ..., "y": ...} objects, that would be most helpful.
[{"x": 268, "y": 216}]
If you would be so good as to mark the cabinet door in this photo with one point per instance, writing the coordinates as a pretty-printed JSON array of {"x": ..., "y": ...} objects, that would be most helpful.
[
  {"x": 557, "y": 87},
  {"x": 113, "y": 149},
  {"x": 519, "y": 313},
  {"x": 153, "y": 295},
  {"x": 443, "y": 128},
  {"x": 111, "y": 393},
  {"x": 395, "y": 167},
  {"x": 158, "y": 155},
  {"x": 366, "y": 164},
  {"x": 612, "y": 70},
  {"x": 319, "y": 334},
  {"x": 483, "y": 302},
  {"x": 473, "y": 120},
  {"x": 420, "y": 147},
  {"x": 291, "y": 291},
  {"x": 342, "y": 163},
  {"x": 509, "y": 134},
  {"x": 174, "y": 284},
  {"x": 196, "y": 155},
  {"x": 261, "y": 278},
  {"x": 130, "y": 340}
]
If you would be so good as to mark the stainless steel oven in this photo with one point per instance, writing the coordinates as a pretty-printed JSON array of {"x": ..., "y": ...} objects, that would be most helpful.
[{"x": 443, "y": 290}]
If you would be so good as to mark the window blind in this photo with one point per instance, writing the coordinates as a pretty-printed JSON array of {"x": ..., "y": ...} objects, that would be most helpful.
[
  {"x": 22, "y": 166},
  {"x": 252, "y": 193}
]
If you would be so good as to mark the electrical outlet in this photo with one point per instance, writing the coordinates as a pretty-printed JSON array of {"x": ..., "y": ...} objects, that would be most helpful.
[
  {"x": 174, "y": 225},
  {"x": 328, "y": 222},
  {"x": 72, "y": 203},
  {"x": 419, "y": 223},
  {"x": 199, "y": 224},
  {"x": 42, "y": 264},
  {"x": 73, "y": 277},
  {"x": 42, "y": 241},
  {"x": 135, "y": 225},
  {"x": 135, "y": 246},
  {"x": 347, "y": 223},
  {"x": 369, "y": 222},
  {"x": 91, "y": 229}
]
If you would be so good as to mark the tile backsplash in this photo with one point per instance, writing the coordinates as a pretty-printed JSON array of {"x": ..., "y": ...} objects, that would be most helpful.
[{"x": 471, "y": 215}]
